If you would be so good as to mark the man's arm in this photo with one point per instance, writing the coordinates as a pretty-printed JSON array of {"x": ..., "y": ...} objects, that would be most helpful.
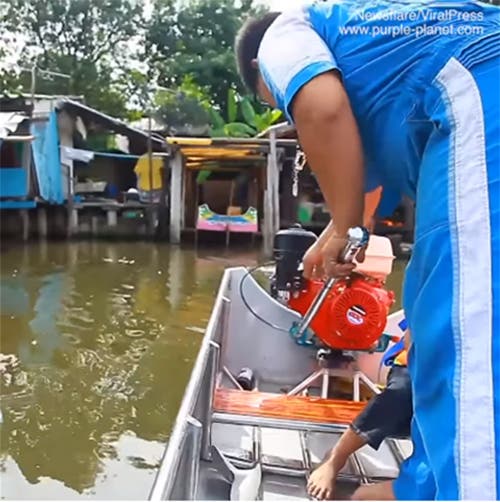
[
  {"x": 372, "y": 200},
  {"x": 306, "y": 85},
  {"x": 329, "y": 136}
]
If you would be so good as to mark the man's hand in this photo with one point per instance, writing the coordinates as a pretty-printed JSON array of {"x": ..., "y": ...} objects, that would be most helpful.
[
  {"x": 313, "y": 262},
  {"x": 323, "y": 258},
  {"x": 331, "y": 255},
  {"x": 323, "y": 261}
]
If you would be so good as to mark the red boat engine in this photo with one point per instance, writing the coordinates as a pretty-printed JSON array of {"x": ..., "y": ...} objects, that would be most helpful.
[{"x": 353, "y": 315}]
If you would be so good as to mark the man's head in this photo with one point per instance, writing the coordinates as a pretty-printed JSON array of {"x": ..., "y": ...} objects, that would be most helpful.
[{"x": 247, "y": 46}]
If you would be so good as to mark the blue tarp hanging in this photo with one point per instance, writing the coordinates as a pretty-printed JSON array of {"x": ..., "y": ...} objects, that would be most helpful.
[{"x": 47, "y": 159}]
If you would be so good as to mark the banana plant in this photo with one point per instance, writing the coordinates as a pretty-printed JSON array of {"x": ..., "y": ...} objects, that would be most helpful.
[
  {"x": 241, "y": 108},
  {"x": 259, "y": 121},
  {"x": 238, "y": 107}
]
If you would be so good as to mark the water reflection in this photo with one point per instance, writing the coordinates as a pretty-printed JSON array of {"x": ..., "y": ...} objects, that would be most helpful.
[{"x": 106, "y": 335}]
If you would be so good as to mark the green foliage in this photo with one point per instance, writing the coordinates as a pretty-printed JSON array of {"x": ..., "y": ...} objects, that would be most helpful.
[
  {"x": 196, "y": 37},
  {"x": 184, "y": 110},
  {"x": 115, "y": 57},
  {"x": 9, "y": 77},
  {"x": 241, "y": 108},
  {"x": 187, "y": 109},
  {"x": 82, "y": 38},
  {"x": 134, "y": 115},
  {"x": 237, "y": 106},
  {"x": 248, "y": 112},
  {"x": 232, "y": 106}
]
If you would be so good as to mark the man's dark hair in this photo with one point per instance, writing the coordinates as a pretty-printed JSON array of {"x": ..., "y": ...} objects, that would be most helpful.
[{"x": 247, "y": 45}]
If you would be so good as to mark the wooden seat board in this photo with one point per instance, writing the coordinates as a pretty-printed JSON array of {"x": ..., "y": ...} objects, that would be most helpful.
[{"x": 307, "y": 408}]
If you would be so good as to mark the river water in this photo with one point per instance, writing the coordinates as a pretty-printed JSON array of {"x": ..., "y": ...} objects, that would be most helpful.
[{"x": 106, "y": 335}]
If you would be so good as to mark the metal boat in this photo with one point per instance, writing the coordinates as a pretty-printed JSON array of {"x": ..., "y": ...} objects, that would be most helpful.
[{"x": 229, "y": 443}]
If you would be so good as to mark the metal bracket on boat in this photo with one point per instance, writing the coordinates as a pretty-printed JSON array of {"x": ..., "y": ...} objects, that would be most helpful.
[
  {"x": 304, "y": 339},
  {"x": 245, "y": 483},
  {"x": 231, "y": 378},
  {"x": 192, "y": 469}
]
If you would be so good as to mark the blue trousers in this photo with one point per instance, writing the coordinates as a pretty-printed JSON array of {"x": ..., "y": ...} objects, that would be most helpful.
[{"x": 451, "y": 293}]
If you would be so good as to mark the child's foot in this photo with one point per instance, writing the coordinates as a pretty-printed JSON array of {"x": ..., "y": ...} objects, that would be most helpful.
[
  {"x": 378, "y": 491},
  {"x": 321, "y": 483}
]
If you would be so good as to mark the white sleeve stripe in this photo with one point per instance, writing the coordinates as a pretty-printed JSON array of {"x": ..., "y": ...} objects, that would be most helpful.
[{"x": 290, "y": 45}]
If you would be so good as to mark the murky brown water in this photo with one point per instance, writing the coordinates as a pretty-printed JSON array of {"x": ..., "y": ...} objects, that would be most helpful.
[{"x": 106, "y": 335}]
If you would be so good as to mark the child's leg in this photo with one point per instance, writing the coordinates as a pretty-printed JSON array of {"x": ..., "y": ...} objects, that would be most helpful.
[
  {"x": 388, "y": 414},
  {"x": 321, "y": 483},
  {"x": 415, "y": 479},
  {"x": 451, "y": 289}
]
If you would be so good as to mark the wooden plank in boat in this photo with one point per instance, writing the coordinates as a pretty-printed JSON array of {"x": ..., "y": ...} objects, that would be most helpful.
[{"x": 308, "y": 408}]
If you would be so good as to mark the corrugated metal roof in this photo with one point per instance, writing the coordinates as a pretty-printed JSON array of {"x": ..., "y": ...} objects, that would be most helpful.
[
  {"x": 9, "y": 122},
  {"x": 138, "y": 139}
]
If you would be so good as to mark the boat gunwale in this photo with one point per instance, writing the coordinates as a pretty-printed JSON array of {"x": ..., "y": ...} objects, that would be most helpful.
[{"x": 164, "y": 482}]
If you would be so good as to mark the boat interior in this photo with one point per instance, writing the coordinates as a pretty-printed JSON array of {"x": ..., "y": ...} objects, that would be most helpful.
[{"x": 261, "y": 441}]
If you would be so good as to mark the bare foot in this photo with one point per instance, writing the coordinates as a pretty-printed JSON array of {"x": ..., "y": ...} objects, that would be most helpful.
[
  {"x": 321, "y": 483},
  {"x": 378, "y": 491}
]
